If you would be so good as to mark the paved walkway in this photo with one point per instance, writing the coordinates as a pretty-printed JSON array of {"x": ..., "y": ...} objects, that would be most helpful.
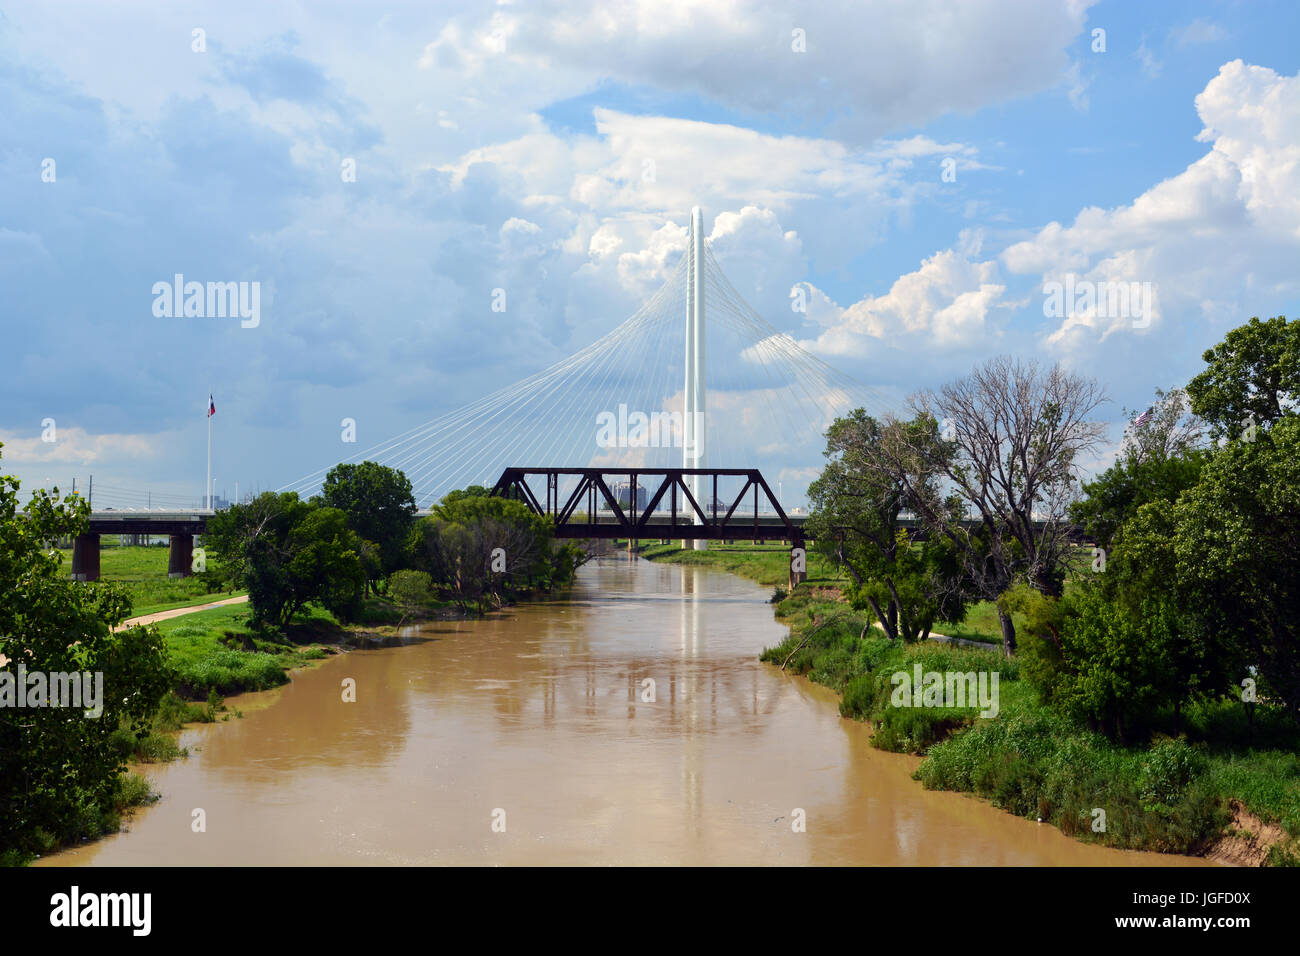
[
  {"x": 178, "y": 611},
  {"x": 164, "y": 615}
]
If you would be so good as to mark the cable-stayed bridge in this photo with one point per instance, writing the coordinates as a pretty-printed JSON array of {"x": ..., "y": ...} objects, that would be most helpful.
[
  {"x": 694, "y": 378},
  {"x": 694, "y": 392}
]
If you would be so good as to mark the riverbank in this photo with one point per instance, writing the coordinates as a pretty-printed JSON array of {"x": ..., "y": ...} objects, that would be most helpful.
[
  {"x": 543, "y": 711},
  {"x": 1224, "y": 790}
]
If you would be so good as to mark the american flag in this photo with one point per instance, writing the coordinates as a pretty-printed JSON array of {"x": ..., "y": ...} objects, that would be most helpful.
[
  {"x": 212, "y": 406},
  {"x": 1141, "y": 419}
]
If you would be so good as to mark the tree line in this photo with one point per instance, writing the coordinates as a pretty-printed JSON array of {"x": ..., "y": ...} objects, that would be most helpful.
[
  {"x": 1193, "y": 585},
  {"x": 360, "y": 537}
]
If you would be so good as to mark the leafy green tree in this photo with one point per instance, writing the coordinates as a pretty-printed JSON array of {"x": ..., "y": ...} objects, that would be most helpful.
[
  {"x": 325, "y": 565},
  {"x": 920, "y": 584},
  {"x": 1143, "y": 572},
  {"x": 473, "y": 491},
  {"x": 1041, "y": 652},
  {"x": 410, "y": 590},
  {"x": 287, "y": 552},
  {"x": 856, "y": 504},
  {"x": 1253, "y": 376},
  {"x": 1160, "y": 459},
  {"x": 481, "y": 549},
  {"x": 1236, "y": 544},
  {"x": 1116, "y": 494},
  {"x": 1096, "y": 658},
  {"x": 378, "y": 503},
  {"x": 58, "y": 768}
]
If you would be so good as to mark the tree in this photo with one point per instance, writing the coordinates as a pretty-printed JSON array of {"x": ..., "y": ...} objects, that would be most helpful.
[
  {"x": 1128, "y": 512},
  {"x": 325, "y": 565},
  {"x": 1142, "y": 575},
  {"x": 287, "y": 552},
  {"x": 473, "y": 491},
  {"x": 1160, "y": 458},
  {"x": 410, "y": 590},
  {"x": 1236, "y": 544},
  {"x": 1101, "y": 660},
  {"x": 58, "y": 769},
  {"x": 1253, "y": 377},
  {"x": 1013, "y": 434},
  {"x": 378, "y": 503},
  {"x": 480, "y": 548},
  {"x": 856, "y": 503}
]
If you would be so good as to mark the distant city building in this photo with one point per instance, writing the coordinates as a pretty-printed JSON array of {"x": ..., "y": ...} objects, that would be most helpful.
[{"x": 623, "y": 495}]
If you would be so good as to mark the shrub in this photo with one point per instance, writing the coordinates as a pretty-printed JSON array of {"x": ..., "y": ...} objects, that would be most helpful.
[
  {"x": 173, "y": 713},
  {"x": 157, "y": 748},
  {"x": 1168, "y": 769},
  {"x": 229, "y": 671},
  {"x": 133, "y": 790}
]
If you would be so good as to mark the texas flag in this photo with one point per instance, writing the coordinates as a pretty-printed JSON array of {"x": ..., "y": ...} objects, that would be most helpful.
[{"x": 212, "y": 407}]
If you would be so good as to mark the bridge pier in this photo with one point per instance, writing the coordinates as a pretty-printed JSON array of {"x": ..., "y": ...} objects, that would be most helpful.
[
  {"x": 85, "y": 557},
  {"x": 180, "y": 556}
]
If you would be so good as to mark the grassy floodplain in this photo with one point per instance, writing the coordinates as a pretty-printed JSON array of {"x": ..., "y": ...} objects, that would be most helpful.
[
  {"x": 142, "y": 571},
  {"x": 1225, "y": 787}
]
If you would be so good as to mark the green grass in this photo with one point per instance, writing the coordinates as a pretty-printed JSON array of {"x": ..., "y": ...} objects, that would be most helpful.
[
  {"x": 142, "y": 571},
  {"x": 766, "y": 563},
  {"x": 981, "y": 621},
  {"x": 1036, "y": 763},
  {"x": 216, "y": 650},
  {"x": 980, "y": 624}
]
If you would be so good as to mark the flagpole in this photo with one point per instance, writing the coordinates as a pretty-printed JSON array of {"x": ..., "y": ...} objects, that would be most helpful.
[{"x": 207, "y": 488}]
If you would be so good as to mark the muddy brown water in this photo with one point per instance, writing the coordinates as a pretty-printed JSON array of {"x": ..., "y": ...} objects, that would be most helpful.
[{"x": 534, "y": 719}]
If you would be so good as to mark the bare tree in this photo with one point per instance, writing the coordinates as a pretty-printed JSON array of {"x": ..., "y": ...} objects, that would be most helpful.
[{"x": 1011, "y": 436}]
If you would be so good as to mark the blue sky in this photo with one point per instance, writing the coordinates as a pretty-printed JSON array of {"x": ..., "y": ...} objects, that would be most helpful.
[{"x": 503, "y": 147}]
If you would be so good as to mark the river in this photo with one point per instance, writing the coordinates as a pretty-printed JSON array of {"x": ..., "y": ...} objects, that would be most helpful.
[{"x": 524, "y": 739}]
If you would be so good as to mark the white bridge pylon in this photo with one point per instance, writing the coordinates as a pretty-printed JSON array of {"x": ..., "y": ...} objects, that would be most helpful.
[
  {"x": 695, "y": 440},
  {"x": 623, "y": 400}
]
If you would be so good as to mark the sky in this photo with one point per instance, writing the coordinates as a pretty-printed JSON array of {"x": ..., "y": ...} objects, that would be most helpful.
[{"x": 922, "y": 171}]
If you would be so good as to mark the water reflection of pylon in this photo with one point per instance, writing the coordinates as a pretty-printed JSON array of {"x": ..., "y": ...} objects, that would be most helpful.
[{"x": 692, "y": 758}]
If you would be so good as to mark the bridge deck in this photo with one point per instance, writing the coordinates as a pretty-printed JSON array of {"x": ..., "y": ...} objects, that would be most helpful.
[{"x": 149, "y": 522}]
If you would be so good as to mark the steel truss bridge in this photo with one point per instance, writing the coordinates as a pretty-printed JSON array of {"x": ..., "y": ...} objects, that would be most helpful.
[{"x": 671, "y": 509}]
